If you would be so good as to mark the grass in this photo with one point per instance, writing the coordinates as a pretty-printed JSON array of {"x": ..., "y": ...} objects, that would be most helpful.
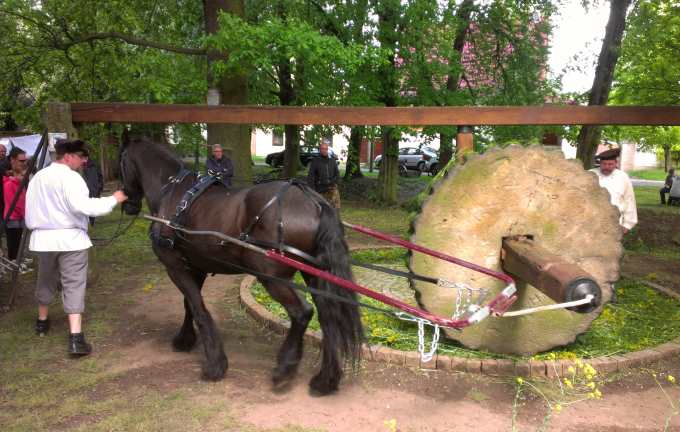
[
  {"x": 642, "y": 318},
  {"x": 649, "y": 174},
  {"x": 647, "y": 198}
]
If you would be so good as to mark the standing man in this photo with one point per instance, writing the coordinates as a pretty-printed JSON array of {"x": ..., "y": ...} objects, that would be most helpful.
[
  {"x": 323, "y": 176},
  {"x": 57, "y": 208},
  {"x": 220, "y": 164},
  {"x": 667, "y": 185},
  {"x": 619, "y": 186}
]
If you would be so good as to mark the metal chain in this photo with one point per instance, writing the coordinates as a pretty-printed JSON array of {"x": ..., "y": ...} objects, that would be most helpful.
[
  {"x": 434, "y": 344},
  {"x": 468, "y": 298}
]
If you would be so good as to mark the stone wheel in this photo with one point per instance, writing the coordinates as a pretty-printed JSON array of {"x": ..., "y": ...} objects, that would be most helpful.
[{"x": 508, "y": 192}]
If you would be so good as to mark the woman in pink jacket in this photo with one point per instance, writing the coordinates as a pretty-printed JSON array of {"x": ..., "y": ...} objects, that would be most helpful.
[{"x": 11, "y": 184}]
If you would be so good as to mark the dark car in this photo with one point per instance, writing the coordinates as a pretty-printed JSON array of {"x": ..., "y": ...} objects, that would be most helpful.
[{"x": 275, "y": 160}]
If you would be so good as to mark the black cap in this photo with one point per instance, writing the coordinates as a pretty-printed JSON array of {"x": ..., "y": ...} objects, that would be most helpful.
[
  {"x": 62, "y": 147},
  {"x": 609, "y": 154}
]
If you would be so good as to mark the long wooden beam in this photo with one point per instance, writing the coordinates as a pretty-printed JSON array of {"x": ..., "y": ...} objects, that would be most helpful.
[{"x": 406, "y": 116}]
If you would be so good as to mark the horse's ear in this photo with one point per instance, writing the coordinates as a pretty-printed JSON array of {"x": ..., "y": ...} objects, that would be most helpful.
[{"x": 125, "y": 138}]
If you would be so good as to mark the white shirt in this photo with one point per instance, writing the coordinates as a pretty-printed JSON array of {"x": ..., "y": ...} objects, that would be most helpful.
[
  {"x": 621, "y": 195},
  {"x": 57, "y": 210}
]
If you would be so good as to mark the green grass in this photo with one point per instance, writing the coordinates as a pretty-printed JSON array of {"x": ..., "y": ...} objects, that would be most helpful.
[
  {"x": 647, "y": 197},
  {"x": 649, "y": 174},
  {"x": 642, "y": 318}
]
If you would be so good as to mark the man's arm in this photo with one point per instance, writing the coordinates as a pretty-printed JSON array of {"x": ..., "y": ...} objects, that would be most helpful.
[
  {"x": 629, "y": 212},
  {"x": 79, "y": 201}
]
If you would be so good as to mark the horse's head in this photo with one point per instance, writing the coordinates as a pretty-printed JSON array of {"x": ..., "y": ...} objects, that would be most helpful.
[{"x": 130, "y": 178}]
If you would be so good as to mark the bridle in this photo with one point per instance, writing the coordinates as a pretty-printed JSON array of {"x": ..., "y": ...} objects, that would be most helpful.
[{"x": 104, "y": 242}]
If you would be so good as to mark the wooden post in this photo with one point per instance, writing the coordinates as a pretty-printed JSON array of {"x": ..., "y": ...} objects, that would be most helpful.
[
  {"x": 58, "y": 119},
  {"x": 464, "y": 140},
  {"x": 560, "y": 280}
]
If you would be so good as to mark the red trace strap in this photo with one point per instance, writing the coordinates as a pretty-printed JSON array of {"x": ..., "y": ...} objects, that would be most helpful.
[
  {"x": 412, "y": 246},
  {"x": 499, "y": 300}
]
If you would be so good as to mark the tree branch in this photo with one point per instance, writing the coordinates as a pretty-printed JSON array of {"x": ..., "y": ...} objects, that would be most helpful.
[{"x": 133, "y": 40}]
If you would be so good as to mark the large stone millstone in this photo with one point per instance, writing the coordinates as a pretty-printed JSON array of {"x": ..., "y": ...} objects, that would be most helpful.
[{"x": 508, "y": 192}]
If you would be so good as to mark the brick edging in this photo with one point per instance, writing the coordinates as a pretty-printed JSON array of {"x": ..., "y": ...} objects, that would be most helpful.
[{"x": 496, "y": 367}]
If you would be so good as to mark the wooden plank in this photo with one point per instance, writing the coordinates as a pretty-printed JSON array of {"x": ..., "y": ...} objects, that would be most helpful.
[{"x": 407, "y": 116}]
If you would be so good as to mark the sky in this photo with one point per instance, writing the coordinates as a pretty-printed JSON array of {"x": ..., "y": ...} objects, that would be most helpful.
[{"x": 577, "y": 32}]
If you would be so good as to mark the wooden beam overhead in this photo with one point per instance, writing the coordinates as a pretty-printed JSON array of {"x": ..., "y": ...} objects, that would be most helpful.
[{"x": 406, "y": 116}]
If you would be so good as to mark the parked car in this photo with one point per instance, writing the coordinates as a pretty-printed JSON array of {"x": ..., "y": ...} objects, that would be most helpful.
[
  {"x": 275, "y": 160},
  {"x": 414, "y": 158}
]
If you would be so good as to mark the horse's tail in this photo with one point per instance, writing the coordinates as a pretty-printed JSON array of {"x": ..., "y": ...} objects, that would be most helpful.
[{"x": 340, "y": 320}]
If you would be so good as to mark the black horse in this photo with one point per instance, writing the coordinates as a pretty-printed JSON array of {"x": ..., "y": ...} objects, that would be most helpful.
[{"x": 309, "y": 224}]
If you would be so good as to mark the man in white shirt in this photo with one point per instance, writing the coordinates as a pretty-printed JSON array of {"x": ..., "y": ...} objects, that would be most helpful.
[
  {"x": 619, "y": 186},
  {"x": 57, "y": 210}
]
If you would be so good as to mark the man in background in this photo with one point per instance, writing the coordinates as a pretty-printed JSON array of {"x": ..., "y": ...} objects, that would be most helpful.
[
  {"x": 323, "y": 176},
  {"x": 619, "y": 186},
  {"x": 667, "y": 185},
  {"x": 220, "y": 164}
]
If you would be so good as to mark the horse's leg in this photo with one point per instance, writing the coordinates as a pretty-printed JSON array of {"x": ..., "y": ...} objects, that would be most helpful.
[
  {"x": 185, "y": 339},
  {"x": 330, "y": 373},
  {"x": 187, "y": 280},
  {"x": 300, "y": 313}
]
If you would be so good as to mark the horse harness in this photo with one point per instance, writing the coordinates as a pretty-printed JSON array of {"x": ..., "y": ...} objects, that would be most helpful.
[{"x": 203, "y": 182}]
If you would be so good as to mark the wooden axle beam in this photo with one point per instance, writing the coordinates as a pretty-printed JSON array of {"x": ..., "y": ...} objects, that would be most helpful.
[
  {"x": 557, "y": 278},
  {"x": 406, "y": 116}
]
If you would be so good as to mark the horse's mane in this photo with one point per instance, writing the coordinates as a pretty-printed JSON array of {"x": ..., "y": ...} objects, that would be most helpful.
[{"x": 159, "y": 149}]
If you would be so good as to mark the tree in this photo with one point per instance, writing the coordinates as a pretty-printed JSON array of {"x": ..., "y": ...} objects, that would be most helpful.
[
  {"x": 143, "y": 51},
  {"x": 648, "y": 69},
  {"x": 589, "y": 136}
]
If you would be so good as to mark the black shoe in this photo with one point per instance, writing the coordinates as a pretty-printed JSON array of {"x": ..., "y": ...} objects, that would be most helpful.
[
  {"x": 77, "y": 345},
  {"x": 42, "y": 326}
]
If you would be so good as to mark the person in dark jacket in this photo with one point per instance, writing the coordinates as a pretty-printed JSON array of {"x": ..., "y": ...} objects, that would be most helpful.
[
  {"x": 220, "y": 164},
  {"x": 323, "y": 176},
  {"x": 93, "y": 178},
  {"x": 668, "y": 184}
]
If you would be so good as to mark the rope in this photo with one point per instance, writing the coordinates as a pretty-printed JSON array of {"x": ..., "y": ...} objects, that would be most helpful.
[{"x": 528, "y": 311}]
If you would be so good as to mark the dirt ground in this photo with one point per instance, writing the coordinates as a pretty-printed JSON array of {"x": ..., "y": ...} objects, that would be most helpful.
[
  {"x": 378, "y": 397},
  {"x": 416, "y": 400}
]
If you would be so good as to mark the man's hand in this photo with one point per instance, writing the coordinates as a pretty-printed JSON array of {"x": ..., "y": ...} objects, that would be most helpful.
[{"x": 120, "y": 196}]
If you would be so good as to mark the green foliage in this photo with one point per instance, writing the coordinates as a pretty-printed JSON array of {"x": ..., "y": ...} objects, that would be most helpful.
[{"x": 648, "y": 69}]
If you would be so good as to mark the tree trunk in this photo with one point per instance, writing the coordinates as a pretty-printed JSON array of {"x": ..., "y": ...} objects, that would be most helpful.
[
  {"x": 463, "y": 14},
  {"x": 589, "y": 136},
  {"x": 666, "y": 157},
  {"x": 353, "y": 166},
  {"x": 388, "y": 32},
  {"x": 389, "y": 167},
  {"x": 291, "y": 156},
  {"x": 287, "y": 96},
  {"x": 232, "y": 90}
]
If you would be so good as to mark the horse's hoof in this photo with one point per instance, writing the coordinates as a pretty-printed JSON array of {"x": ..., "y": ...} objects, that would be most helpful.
[
  {"x": 215, "y": 372},
  {"x": 184, "y": 343},
  {"x": 282, "y": 377},
  {"x": 322, "y": 386}
]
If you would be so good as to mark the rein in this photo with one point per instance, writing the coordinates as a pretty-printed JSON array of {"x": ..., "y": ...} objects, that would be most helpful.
[{"x": 106, "y": 242}]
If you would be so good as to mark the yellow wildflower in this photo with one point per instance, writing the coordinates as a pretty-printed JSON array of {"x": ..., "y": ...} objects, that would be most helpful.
[
  {"x": 591, "y": 385},
  {"x": 670, "y": 378},
  {"x": 520, "y": 380},
  {"x": 571, "y": 370},
  {"x": 568, "y": 383},
  {"x": 598, "y": 393},
  {"x": 591, "y": 395},
  {"x": 391, "y": 425},
  {"x": 558, "y": 408}
]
